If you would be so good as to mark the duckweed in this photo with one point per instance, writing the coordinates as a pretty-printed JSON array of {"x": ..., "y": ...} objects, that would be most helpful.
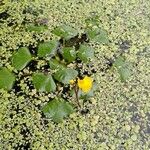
[{"x": 117, "y": 107}]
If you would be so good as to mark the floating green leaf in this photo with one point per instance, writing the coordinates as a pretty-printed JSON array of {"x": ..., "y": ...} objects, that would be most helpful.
[
  {"x": 21, "y": 58},
  {"x": 125, "y": 73},
  {"x": 55, "y": 64},
  {"x": 7, "y": 79},
  {"x": 98, "y": 35},
  {"x": 119, "y": 62},
  {"x": 57, "y": 110},
  {"x": 92, "y": 21},
  {"x": 43, "y": 83},
  {"x": 37, "y": 29},
  {"x": 85, "y": 53},
  {"x": 65, "y": 75},
  {"x": 69, "y": 54},
  {"x": 47, "y": 48},
  {"x": 124, "y": 68},
  {"x": 65, "y": 31}
]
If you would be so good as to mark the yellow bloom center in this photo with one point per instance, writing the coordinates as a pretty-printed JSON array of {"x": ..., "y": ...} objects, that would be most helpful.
[{"x": 85, "y": 84}]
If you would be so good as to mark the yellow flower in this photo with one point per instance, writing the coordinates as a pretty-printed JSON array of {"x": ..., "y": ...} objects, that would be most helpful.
[
  {"x": 85, "y": 84},
  {"x": 72, "y": 81}
]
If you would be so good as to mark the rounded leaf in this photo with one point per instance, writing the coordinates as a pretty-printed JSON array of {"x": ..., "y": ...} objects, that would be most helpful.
[
  {"x": 57, "y": 110},
  {"x": 43, "y": 83},
  {"x": 85, "y": 53},
  {"x": 123, "y": 68},
  {"x": 125, "y": 73},
  {"x": 21, "y": 58},
  {"x": 98, "y": 35},
  {"x": 92, "y": 21},
  {"x": 7, "y": 79},
  {"x": 55, "y": 64},
  {"x": 37, "y": 29},
  {"x": 65, "y": 31},
  {"x": 119, "y": 62},
  {"x": 65, "y": 75},
  {"x": 69, "y": 54},
  {"x": 47, "y": 48}
]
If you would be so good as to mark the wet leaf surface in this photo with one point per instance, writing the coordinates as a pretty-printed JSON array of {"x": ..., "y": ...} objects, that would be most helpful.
[
  {"x": 43, "y": 83},
  {"x": 7, "y": 79},
  {"x": 57, "y": 110},
  {"x": 21, "y": 58}
]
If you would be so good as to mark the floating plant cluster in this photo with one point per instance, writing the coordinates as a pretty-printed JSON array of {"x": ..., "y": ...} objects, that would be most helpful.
[{"x": 65, "y": 59}]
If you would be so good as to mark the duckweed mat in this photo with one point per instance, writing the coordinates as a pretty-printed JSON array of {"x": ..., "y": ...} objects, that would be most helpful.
[{"x": 118, "y": 116}]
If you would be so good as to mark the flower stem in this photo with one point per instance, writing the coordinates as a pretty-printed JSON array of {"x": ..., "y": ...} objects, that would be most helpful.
[{"x": 76, "y": 89}]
